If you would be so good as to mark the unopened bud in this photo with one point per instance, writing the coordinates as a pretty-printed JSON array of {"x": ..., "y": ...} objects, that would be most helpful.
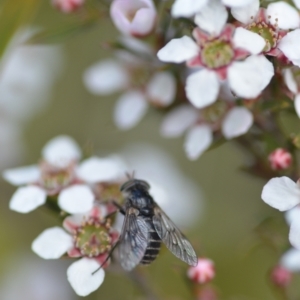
[
  {"x": 280, "y": 159},
  {"x": 203, "y": 272},
  {"x": 280, "y": 276},
  {"x": 67, "y": 6}
]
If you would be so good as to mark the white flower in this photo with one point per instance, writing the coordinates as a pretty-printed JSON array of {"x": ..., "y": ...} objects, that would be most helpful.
[
  {"x": 111, "y": 76},
  {"x": 83, "y": 230},
  {"x": 188, "y": 8},
  {"x": 133, "y": 17},
  {"x": 291, "y": 260},
  {"x": 283, "y": 194},
  {"x": 178, "y": 120},
  {"x": 52, "y": 244},
  {"x": 28, "y": 73},
  {"x": 234, "y": 122},
  {"x": 199, "y": 138},
  {"x": 290, "y": 47},
  {"x": 292, "y": 82},
  {"x": 106, "y": 77},
  {"x": 246, "y": 78},
  {"x": 276, "y": 20},
  {"x": 279, "y": 14},
  {"x": 60, "y": 157}
]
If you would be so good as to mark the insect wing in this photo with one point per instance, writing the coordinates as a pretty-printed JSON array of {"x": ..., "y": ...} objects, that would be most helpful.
[
  {"x": 133, "y": 240},
  {"x": 175, "y": 241}
]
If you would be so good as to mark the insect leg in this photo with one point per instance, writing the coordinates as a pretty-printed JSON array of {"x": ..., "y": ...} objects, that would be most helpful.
[
  {"x": 121, "y": 209},
  {"x": 107, "y": 258}
]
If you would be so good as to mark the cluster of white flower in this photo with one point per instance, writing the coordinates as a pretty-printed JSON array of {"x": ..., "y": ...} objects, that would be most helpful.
[
  {"x": 76, "y": 190},
  {"x": 218, "y": 56},
  {"x": 81, "y": 193}
]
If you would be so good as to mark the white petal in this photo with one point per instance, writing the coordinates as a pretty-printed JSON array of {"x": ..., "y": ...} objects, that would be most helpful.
[
  {"x": 248, "y": 40},
  {"x": 297, "y": 104},
  {"x": 281, "y": 193},
  {"x": 289, "y": 45},
  {"x": 187, "y": 8},
  {"x": 52, "y": 243},
  {"x": 245, "y": 14},
  {"x": 96, "y": 169},
  {"x": 290, "y": 81},
  {"x": 292, "y": 214},
  {"x": 23, "y": 175},
  {"x": 202, "y": 88},
  {"x": 294, "y": 235},
  {"x": 143, "y": 22},
  {"x": 105, "y": 77},
  {"x": 284, "y": 15},
  {"x": 291, "y": 260},
  {"x": 61, "y": 151},
  {"x": 162, "y": 88},
  {"x": 237, "y": 3},
  {"x": 178, "y": 120},
  {"x": 81, "y": 277},
  {"x": 249, "y": 77},
  {"x": 297, "y": 3},
  {"x": 197, "y": 140},
  {"x": 130, "y": 109},
  {"x": 178, "y": 50},
  {"x": 212, "y": 17},
  {"x": 28, "y": 198},
  {"x": 76, "y": 199},
  {"x": 237, "y": 122}
]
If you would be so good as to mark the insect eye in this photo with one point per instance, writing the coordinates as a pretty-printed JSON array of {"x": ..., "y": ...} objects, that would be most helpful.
[{"x": 127, "y": 185}]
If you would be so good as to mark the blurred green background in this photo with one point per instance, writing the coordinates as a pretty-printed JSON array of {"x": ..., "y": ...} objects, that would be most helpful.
[{"x": 232, "y": 204}]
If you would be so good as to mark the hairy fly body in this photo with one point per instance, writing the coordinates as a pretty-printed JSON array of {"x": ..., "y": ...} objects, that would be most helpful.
[{"x": 145, "y": 227}]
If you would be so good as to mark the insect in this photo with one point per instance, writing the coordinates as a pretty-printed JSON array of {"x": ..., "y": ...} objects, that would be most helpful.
[{"x": 145, "y": 227}]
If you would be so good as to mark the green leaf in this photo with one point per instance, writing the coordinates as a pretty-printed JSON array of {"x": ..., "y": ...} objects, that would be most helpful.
[{"x": 15, "y": 14}]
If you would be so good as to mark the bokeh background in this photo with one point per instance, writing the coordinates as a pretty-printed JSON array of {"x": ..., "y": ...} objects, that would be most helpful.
[{"x": 229, "y": 208}]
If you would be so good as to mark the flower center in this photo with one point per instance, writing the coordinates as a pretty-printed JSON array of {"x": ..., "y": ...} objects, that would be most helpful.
[
  {"x": 109, "y": 191},
  {"x": 217, "y": 53},
  {"x": 93, "y": 238},
  {"x": 54, "y": 179},
  {"x": 214, "y": 112},
  {"x": 267, "y": 31}
]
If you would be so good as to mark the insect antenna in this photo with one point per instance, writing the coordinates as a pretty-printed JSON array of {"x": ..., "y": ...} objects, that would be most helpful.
[
  {"x": 130, "y": 176},
  {"x": 107, "y": 258}
]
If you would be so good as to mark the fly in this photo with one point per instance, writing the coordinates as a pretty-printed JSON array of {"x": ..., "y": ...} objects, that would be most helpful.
[{"x": 145, "y": 227}]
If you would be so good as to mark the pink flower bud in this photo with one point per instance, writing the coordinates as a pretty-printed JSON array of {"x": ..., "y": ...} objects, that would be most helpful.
[
  {"x": 203, "y": 272},
  {"x": 280, "y": 159},
  {"x": 133, "y": 17},
  {"x": 67, "y": 6},
  {"x": 280, "y": 276}
]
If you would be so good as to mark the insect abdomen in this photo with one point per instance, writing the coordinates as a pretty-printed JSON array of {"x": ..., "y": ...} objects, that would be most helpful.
[{"x": 153, "y": 246}]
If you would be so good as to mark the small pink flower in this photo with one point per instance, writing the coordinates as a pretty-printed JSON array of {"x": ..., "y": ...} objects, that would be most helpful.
[
  {"x": 67, "y": 6},
  {"x": 203, "y": 272},
  {"x": 280, "y": 159},
  {"x": 280, "y": 276},
  {"x": 133, "y": 17}
]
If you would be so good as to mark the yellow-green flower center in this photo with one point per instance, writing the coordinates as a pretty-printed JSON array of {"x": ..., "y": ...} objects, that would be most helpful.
[
  {"x": 267, "y": 32},
  {"x": 217, "y": 53},
  {"x": 214, "y": 112},
  {"x": 93, "y": 239},
  {"x": 53, "y": 179}
]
